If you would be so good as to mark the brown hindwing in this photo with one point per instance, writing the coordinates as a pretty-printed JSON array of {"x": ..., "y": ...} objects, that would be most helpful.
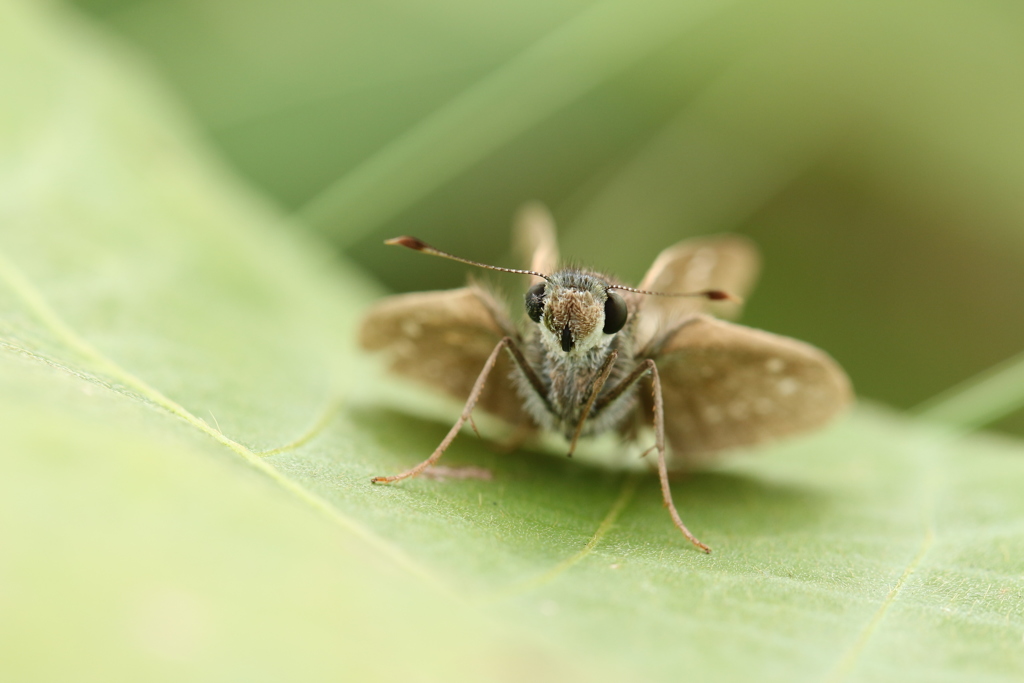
[
  {"x": 727, "y": 386},
  {"x": 442, "y": 339}
]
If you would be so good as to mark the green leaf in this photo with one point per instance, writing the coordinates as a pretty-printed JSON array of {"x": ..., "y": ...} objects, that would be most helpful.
[{"x": 160, "y": 327}]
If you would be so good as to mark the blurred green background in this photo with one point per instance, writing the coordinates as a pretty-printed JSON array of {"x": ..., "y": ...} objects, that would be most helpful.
[{"x": 875, "y": 150}]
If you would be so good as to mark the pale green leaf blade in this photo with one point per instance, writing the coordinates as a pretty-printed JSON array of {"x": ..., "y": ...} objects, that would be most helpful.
[{"x": 159, "y": 326}]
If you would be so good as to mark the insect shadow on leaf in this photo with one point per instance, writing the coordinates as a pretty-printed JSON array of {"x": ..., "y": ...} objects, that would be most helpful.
[{"x": 595, "y": 355}]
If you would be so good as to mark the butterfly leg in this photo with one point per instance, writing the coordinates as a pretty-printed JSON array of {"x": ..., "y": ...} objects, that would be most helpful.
[
  {"x": 602, "y": 377},
  {"x": 648, "y": 367},
  {"x": 659, "y": 437},
  {"x": 467, "y": 411}
]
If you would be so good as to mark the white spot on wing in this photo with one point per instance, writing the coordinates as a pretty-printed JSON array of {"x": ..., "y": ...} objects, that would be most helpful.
[
  {"x": 787, "y": 386},
  {"x": 713, "y": 414},
  {"x": 411, "y": 328},
  {"x": 774, "y": 365}
]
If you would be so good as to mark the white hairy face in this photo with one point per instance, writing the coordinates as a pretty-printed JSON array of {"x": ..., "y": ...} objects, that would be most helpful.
[{"x": 574, "y": 314}]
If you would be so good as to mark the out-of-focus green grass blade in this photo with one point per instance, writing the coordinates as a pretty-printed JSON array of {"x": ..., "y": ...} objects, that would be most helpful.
[
  {"x": 981, "y": 400},
  {"x": 700, "y": 171},
  {"x": 562, "y": 66}
]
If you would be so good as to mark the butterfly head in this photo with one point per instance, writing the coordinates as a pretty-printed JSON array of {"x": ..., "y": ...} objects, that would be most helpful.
[{"x": 576, "y": 311}]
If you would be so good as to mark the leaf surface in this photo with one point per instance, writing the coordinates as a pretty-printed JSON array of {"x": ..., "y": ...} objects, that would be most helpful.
[{"x": 160, "y": 327}]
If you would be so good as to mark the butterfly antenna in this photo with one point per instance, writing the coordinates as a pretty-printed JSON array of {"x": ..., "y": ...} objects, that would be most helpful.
[
  {"x": 710, "y": 294},
  {"x": 419, "y": 245}
]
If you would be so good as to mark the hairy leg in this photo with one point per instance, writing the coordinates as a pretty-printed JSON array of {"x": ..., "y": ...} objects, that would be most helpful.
[
  {"x": 467, "y": 410},
  {"x": 644, "y": 368},
  {"x": 659, "y": 436},
  {"x": 606, "y": 370}
]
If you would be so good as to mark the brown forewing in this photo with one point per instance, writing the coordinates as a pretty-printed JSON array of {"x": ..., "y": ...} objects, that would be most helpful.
[
  {"x": 534, "y": 239},
  {"x": 443, "y": 339},
  {"x": 727, "y": 262},
  {"x": 727, "y": 386}
]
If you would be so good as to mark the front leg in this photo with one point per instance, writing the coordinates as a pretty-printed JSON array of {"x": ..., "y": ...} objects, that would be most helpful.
[
  {"x": 648, "y": 367},
  {"x": 602, "y": 377},
  {"x": 474, "y": 396}
]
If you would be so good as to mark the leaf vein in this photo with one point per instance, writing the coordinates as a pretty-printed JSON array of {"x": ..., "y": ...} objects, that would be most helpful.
[
  {"x": 37, "y": 305},
  {"x": 623, "y": 499},
  {"x": 849, "y": 660},
  {"x": 326, "y": 416}
]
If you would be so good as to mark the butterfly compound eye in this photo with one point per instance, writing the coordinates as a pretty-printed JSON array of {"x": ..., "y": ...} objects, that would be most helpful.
[
  {"x": 615, "y": 313},
  {"x": 535, "y": 302}
]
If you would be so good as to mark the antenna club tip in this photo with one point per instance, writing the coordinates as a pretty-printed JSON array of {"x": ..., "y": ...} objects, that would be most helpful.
[
  {"x": 417, "y": 244},
  {"x": 407, "y": 242},
  {"x": 719, "y": 295}
]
